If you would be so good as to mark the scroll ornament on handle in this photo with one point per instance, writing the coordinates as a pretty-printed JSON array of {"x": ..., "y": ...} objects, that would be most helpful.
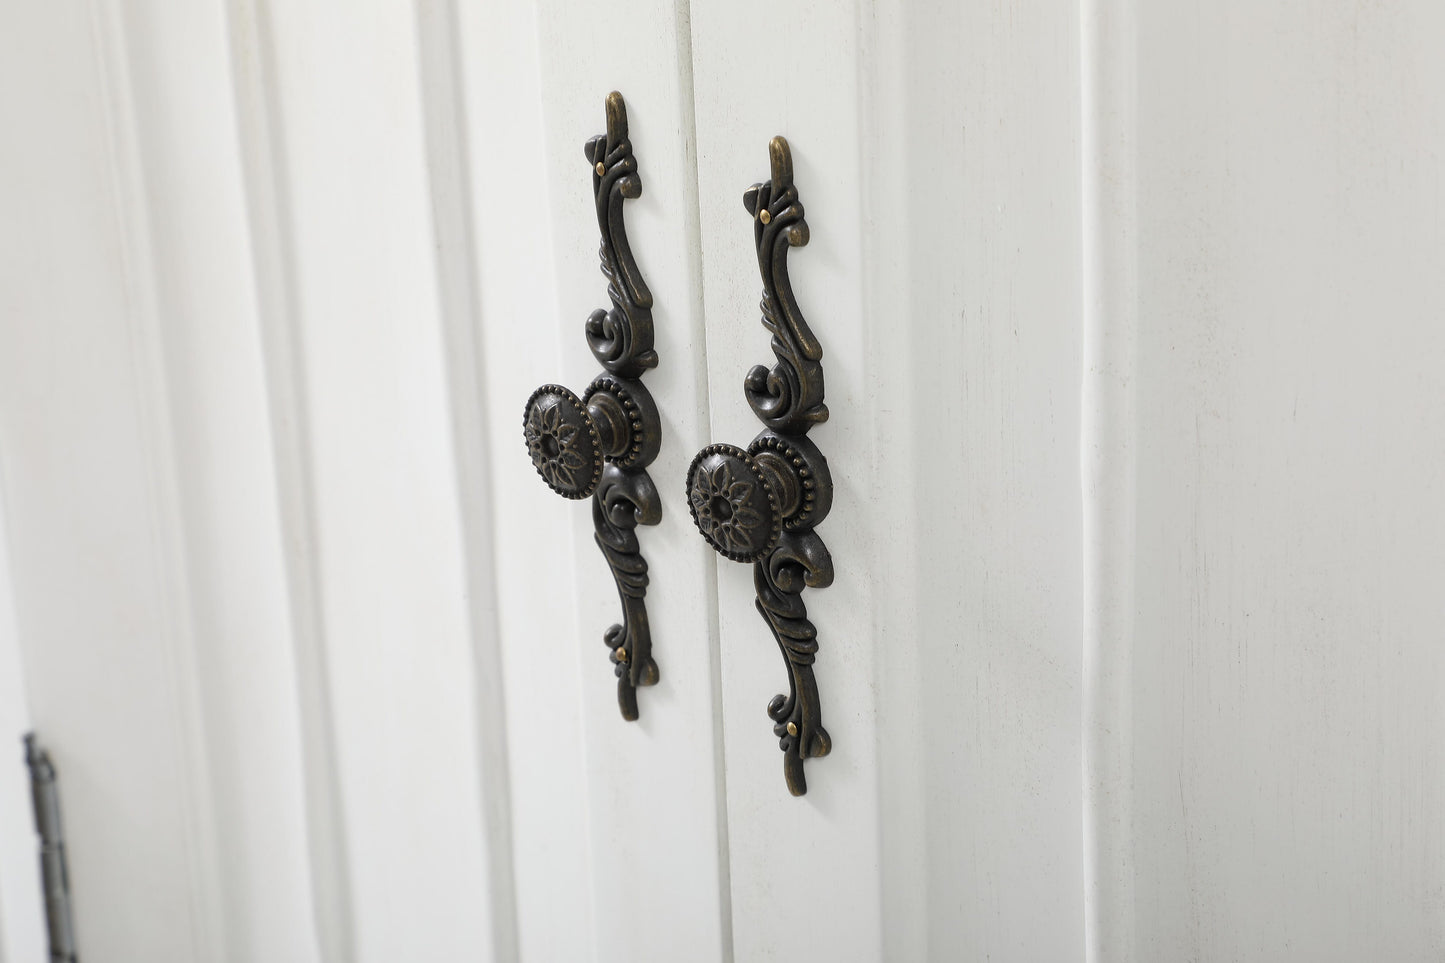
[
  {"x": 601, "y": 443},
  {"x": 760, "y": 504}
]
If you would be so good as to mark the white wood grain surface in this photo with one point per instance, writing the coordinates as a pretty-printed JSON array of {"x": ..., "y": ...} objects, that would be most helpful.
[
  {"x": 1130, "y": 316},
  {"x": 398, "y": 633},
  {"x": 93, "y": 481},
  {"x": 1287, "y": 666},
  {"x": 805, "y": 870},
  {"x": 653, "y": 804}
]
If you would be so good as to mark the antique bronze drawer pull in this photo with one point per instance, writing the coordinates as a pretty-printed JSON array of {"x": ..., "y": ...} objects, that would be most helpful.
[
  {"x": 601, "y": 444},
  {"x": 760, "y": 504}
]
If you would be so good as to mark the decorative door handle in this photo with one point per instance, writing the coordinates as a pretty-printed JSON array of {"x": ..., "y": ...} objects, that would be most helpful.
[
  {"x": 759, "y": 505},
  {"x": 601, "y": 444}
]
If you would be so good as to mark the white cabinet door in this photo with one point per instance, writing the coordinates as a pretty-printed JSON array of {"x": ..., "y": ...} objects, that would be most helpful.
[
  {"x": 935, "y": 154},
  {"x": 1129, "y": 318},
  {"x": 1268, "y": 356},
  {"x": 645, "y": 875},
  {"x": 140, "y": 503}
]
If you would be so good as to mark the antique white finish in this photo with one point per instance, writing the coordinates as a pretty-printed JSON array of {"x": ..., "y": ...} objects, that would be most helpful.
[{"x": 1131, "y": 322}]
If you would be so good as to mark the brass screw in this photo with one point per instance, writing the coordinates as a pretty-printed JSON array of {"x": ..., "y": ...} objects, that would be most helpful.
[
  {"x": 764, "y": 215},
  {"x": 792, "y": 729},
  {"x": 601, "y": 169},
  {"x": 621, "y": 655}
]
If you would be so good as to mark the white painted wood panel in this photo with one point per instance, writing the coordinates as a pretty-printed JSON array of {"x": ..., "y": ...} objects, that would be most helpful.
[
  {"x": 1130, "y": 320},
  {"x": 1285, "y": 657},
  {"x": 935, "y": 156},
  {"x": 805, "y": 870},
  {"x": 500, "y": 192},
  {"x": 391, "y": 565},
  {"x": 450, "y": 160},
  {"x": 651, "y": 883},
  {"x": 189, "y": 154},
  {"x": 972, "y": 256},
  {"x": 91, "y": 475},
  {"x": 183, "y": 326}
]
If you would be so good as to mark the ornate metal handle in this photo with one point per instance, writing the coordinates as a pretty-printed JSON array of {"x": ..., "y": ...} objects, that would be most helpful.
[
  {"x": 601, "y": 444},
  {"x": 759, "y": 505}
]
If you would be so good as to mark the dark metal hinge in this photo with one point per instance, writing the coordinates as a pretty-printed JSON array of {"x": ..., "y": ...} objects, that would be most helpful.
[{"x": 45, "y": 793}]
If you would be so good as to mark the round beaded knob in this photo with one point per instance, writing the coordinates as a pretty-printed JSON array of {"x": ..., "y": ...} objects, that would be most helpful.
[
  {"x": 732, "y": 503},
  {"x": 743, "y": 501},
  {"x": 563, "y": 441},
  {"x": 569, "y": 438}
]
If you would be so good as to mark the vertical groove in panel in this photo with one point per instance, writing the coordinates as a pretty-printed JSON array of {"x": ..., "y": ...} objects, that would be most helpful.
[
  {"x": 269, "y": 214},
  {"x": 449, "y": 165},
  {"x": 519, "y": 348},
  {"x": 147, "y": 360},
  {"x": 886, "y": 239},
  {"x": 692, "y": 218},
  {"x": 1107, "y": 452},
  {"x": 653, "y": 784},
  {"x": 969, "y": 174},
  {"x": 204, "y": 293},
  {"x": 815, "y": 853}
]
